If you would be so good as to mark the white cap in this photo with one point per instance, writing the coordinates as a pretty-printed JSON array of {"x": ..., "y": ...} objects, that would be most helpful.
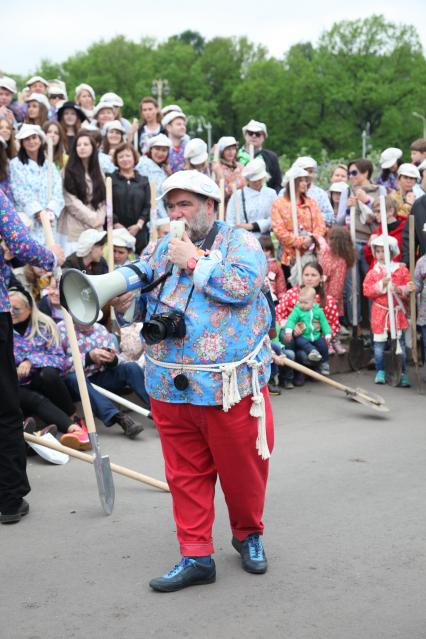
[
  {"x": 256, "y": 127},
  {"x": 8, "y": 83},
  {"x": 389, "y": 157},
  {"x": 172, "y": 115},
  {"x": 170, "y": 107},
  {"x": 57, "y": 87},
  {"x": 113, "y": 98},
  {"x": 422, "y": 166},
  {"x": 409, "y": 170},
  {"x": 30, "y": 129},
  {"x": 87, "y": 241},
  {"x": 393, "y": 243},
  {"x": 116, "y": 125},
  {"x": 225, "y": 141},
  {"x": 38, "y": 97},
  {"x": 85, "y": 87},
  {"x": 159, "y": 140},
  {"x": 305, "y": 162},
  {"x": 37, "y": 78},
  {"x": 122, "y": 237},
  {"x": 338, "y": 187},
  {"x": 102, "y": 105},
  {"x": 196, "y": 151},
  {"x": 294, "y": 173},
  {"x": 256, "y": 170},
  {"x": 193, "y": 181}
]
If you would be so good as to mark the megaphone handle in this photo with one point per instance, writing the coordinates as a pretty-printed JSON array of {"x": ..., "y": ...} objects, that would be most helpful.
[{"x": 130, "y": 313}]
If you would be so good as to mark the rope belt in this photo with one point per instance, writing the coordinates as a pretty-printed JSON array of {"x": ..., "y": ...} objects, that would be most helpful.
[{"x": 230, "y": 391}]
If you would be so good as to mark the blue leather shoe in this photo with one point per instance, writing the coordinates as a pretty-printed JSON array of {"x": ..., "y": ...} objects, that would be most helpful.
[
  {"x": 188, "y": 572},
  {"x": 253, "y": 558}
]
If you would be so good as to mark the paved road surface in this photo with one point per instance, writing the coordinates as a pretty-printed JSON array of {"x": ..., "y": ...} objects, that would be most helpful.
[{"x": 345, "y": 537}]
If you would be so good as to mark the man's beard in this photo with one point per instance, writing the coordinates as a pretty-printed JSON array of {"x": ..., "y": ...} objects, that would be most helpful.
[{"x": 199, "y": 226}]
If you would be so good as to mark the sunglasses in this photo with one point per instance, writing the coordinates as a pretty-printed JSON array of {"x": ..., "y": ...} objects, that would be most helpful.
[
  {"x": 256, "y": 134},
  {"x": 354, "y": 172}
]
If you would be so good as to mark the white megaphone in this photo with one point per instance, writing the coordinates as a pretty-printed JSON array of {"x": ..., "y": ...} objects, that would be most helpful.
[{"x": 84, "y": 295}]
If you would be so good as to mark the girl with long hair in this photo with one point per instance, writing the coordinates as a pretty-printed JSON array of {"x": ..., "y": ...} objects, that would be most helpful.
[
  {"x": 84, "y": 192},
  {"x": 37, "y": 109},
  {"x": 150, "y": 126},
  {"x": 7, "y": 132},
  {"x": 70, "y": 117},
  {"x": 53, "y": 130}
]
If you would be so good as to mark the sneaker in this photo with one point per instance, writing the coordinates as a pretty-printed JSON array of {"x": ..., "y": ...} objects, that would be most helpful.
[
  {"x": 314, "y": 356},
  {"x": 130, "y": 427},
  {"x": 253, "y": 558},
  {"x": 299, "y": 379},
  {"x": 404, "y": 381},
  {"x": 331, "y": 350},
  {"x": 274, "y": 391},
  {"x": 188, "y": 572},
  {"x": 339, "y": 348},
  {"x": 288, "y": 384},
  {"x": 14, "y": 515},
  {"x": 324, "y": 368},
  {"x": 78, "y": 440},
  {"x": 380, "y": 378}
]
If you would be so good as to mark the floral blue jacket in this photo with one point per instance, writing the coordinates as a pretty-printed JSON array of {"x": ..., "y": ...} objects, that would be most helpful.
[
  {"x": 21, "y": 244},
  {"x": 29, "y": 188},
  {"x": 95, "y": 336},
  {"x": 39, "y": 351},
  {"x": 227, "y": 317}
]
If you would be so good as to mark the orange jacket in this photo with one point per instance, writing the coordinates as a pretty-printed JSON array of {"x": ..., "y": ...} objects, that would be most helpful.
[{"x": 310, "y": 220}]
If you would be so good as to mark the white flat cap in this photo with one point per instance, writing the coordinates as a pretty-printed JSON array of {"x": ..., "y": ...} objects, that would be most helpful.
[
  {"x": 38, "y": 97},
  {"x": 193, "y": 181},
  {"x": 37, "y": 78},
  {"x": 338, "y": 187},
  {"x": 225, "y": 141},
  {"x": 170, "y": 107},
  {"x": 85, "y": 87},
  {"x": 102, "y": 105},
  {"x": 115, "y": 125},
  {"x": 30, "y": 129},
  {"x": 294, "y": 173},
  {"x": 8, "y": 83},
  {"x": 256, "y": 127},
  {"x": 409, "y": 170},
  {"x": 256, "y": 170},
  {"x": 172, "y": 115},
  {"x": 113, "y": 98},
  {"x": 159, "y": 140},
  {"x": 87, "y": 241},
  {"x": 393, "y": 243},
  {"x": 196, "y": 151},
  {"x": 389, "y": 157},
  {"x": 306, "y": 162},
  {"x": 122, "y": 237}
]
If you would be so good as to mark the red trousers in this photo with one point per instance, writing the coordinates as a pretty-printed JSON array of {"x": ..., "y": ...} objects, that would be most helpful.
[{"x": 201, "y": 442}]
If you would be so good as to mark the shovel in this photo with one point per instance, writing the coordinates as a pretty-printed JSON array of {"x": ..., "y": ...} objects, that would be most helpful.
[
  {"x": 357, "y": 394},
  {"x": 101, "y": 463},
  {"x": 394, "y": 362},
  {"x": 153, "y": 214},
  {"x": 356, "y": 345},
  {"x": 295, "y": 228},
  {"x": 222, "y": 199},
  {"x": 236, "y": 204},
  {"x": 120, "y": 470},
  {"x": 413, "y": 310}
]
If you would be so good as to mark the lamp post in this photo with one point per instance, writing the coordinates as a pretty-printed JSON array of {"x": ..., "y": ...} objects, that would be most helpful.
[
  {"x": 159, "y": 89},
  {"x": 423, "y": 119},
  {"x": 198, "y": 123}
]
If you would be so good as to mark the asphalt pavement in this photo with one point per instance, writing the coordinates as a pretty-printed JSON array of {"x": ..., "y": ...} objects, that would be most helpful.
[{"x": 345, "y": 530}]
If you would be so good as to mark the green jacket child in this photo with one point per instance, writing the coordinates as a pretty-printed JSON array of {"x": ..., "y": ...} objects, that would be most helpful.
[{"x": 308, "y": 317}]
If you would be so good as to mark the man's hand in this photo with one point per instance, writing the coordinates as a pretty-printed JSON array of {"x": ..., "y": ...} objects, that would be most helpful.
[
  {"x": 180, "y": 251},
  {"x": 410, "y": 287},
  {"x": 133, "y": 229},
  {"x": 101, "y": 356},
  {"x": 122, "y": 302},
  {"x": 24, "y": 369}
]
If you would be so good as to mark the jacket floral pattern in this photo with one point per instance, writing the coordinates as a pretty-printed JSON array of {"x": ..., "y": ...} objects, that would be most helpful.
[
  {"x": 29, "y": 184},
  {"x": 21, "y": 244},
  {"x": 95, "y": 336},
  {"x": 39, "y": 351},
  {"x": 227, "y": 317},
  {"x": 374, "y": 289}
]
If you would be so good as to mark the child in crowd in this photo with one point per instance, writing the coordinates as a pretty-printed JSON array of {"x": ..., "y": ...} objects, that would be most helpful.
[
  {"x": 394, "y": 223},
  {"x": 315, "y": 336},
  {"x": 375, "y": 288},
  {"x": 275, "y": 278},
  {"x": 336, "y": 256}
]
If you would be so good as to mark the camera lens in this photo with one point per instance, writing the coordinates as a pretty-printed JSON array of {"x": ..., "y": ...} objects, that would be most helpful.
[{"x": 154, "y": 331}]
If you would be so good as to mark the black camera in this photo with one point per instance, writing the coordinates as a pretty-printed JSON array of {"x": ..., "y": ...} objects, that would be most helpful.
[{"x": 162, "y": 325}]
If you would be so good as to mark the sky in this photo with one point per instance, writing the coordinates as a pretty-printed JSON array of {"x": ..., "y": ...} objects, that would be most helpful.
[{"x": 56, "y": 30}]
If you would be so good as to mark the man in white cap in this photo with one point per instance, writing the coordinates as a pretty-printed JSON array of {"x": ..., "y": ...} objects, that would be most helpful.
[
  {"x": 207, "y": 368},
  {"x": 315, "y": 192},
  {"x": 196, "y": 155},
  {"x": 174, "y": 123},
  {"x": 404, "y": 196},
  {"x": 255, "y": 134},
  {"x": 7, "y": 110}
]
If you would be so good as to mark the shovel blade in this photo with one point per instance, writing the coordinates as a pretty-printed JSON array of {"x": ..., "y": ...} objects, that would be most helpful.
[
  {"x": 362, "y": 396},
  {"x": 393, "y": 364},
  {"x": 104, "y": 477},
  {"x": 356, "y": 353}
]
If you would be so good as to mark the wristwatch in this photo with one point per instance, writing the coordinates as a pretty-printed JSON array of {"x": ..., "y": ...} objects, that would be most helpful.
[{"x": 192, "y": 263}]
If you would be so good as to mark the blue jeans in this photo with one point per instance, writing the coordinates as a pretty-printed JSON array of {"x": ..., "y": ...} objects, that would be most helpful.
[
  {"x": 303, "y": 344},
  {"x": 379, "y": 349},
  {"x": 114, "y": 379},
  {"x": 287, "y": 372}
]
